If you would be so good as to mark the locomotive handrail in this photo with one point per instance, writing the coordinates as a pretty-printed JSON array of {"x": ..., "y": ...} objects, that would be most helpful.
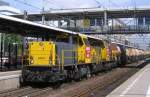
[
  {"x": 63, "y": 56},
  {"x": 62, "y": 59}
]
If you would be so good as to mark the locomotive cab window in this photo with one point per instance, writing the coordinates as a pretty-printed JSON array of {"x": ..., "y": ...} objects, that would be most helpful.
[
  {"x": 94, "y": 42},
  {"x": 80, "y": 41},
  {"x": 75, "y": 40},
  {"x": 62, "y": 39},
  {"x": 86, "y": 41}
]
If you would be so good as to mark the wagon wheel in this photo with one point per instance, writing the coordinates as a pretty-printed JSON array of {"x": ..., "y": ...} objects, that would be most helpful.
[{"x": 88, "y": 72}]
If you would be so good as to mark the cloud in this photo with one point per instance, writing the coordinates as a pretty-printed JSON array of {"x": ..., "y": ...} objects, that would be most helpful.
[
  {"x": 73, "y": 3},
  {"x": 62, "y": 4}
]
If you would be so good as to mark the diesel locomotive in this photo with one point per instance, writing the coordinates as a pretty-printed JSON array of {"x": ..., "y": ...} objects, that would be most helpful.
[{"x": 73, "y": 57}]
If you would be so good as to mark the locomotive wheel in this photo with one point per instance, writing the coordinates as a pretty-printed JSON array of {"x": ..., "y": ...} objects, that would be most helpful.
[
  {"x": 22, "y": 82},
  {"x": 88, "y": 72},
  {"x": 77, "y": 75},
  {"x": 104, "y": 67},
  {"x": 69, "y": 76},
  {"x": 56, "y": 85}
]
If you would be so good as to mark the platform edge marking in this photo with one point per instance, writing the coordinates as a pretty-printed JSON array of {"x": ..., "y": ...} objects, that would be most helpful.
[{"x": 132, "y": 84}]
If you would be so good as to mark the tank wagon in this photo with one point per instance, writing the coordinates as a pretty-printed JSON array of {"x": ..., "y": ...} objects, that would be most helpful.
[{"x": 74, "y": 56}]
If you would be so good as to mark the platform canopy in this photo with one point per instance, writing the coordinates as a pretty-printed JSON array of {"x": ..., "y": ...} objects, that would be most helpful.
[{"x": 10, "y": 25}]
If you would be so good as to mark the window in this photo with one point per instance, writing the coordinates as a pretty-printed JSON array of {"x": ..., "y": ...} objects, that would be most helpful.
[
  {"x": 62, "y": 39},
  {"x": 98, "y": 22},
  {"x": 92, "y": 22},
  {"x": 86, "y": 41},
  {"x": 80, "y": 41},
  {"x": 140, "y": 21}
]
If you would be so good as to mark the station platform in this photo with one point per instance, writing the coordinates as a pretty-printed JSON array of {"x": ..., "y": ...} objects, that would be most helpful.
[
  {"x": 136, "y": 86},
  {"x": 9, "y": 74},
  {"x": 9, "y": 80}
]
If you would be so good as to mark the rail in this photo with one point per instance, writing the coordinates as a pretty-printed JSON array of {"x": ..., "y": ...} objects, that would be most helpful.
[{"x": 130, "y": 29}]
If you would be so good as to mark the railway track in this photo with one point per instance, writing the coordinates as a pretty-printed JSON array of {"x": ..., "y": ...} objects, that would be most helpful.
[
  {"x": 24, "y": 92},
  {"x": 90, "y": 87},
  {"x": 90, "y": 92},
  {"x": 83, "y": 88}
]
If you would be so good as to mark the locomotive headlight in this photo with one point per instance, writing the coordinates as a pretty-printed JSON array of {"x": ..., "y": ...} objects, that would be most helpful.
[
  {"x": 31, "y": 61},
  {"x": 50, "y": 62}
]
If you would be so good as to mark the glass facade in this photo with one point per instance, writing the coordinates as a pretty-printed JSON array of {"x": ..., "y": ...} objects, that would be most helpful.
[
  {"x": 92, "y": 22},
  {"x": 147, "y": 21},
  {"x": 99, "y": 22},
  {"x": 140, "y": 21},
  {"x": 144, "y": 21},
  {"x": 96, "y": 22}
]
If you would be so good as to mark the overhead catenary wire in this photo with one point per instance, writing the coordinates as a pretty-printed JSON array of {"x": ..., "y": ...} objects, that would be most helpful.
[
  {"x": 28, "y": 4},
  {"x": 41, "y": 9},
  {"x": 53, "y": 2},
  {"x": 100, "y": 5}
]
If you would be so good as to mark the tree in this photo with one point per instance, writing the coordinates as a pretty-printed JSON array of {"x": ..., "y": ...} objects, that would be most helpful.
[{"x": 12, "y": 38}]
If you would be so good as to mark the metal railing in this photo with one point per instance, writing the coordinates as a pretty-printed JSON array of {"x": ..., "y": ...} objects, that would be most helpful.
[
  {"x": 129, "y": 29},
  {"x": 74, "y": 57}
]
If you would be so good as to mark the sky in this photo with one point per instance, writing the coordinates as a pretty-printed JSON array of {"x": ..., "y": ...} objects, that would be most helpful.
[{"x": 36, "y": 5}]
